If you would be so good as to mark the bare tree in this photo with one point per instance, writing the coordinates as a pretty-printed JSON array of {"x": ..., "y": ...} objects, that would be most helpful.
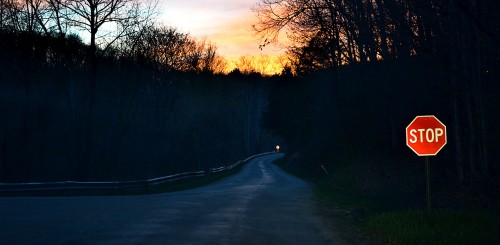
[
  {"x": 9, "y": 14},
  {"x": 56, "y": 18},
  {"x": 168, "y": 49},
  {"x": 106, "y": 20},
  {"x": 246, "y": 64},
  {"x": 218, "y": 64},
  {"x": 328, "y": 33},
  {"x": 318, "y": 29},
  {"x": 45, "y": 16}
]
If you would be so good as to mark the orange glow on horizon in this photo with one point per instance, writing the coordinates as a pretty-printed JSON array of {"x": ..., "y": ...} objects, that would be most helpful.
[
  {"x": 263, "y": 64},
  {"x": 227, "y": 24}
]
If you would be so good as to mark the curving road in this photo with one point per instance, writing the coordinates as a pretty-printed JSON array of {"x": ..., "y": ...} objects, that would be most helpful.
[{"x": 260, "y": 205}]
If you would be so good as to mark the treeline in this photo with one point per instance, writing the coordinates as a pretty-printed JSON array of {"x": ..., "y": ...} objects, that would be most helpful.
[
  {"x": 160, "y": 108},
  {"x": 326, "y": 33},
  {"x": 367, "y": 68}
]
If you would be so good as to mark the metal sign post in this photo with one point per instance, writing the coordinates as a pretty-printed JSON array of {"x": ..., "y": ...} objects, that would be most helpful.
[
  {"x": 426, "y": 136},
  {"x": 428, "y": 187}
]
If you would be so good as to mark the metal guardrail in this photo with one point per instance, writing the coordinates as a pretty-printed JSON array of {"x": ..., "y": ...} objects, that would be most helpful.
[{"x": 112, "y": 185}]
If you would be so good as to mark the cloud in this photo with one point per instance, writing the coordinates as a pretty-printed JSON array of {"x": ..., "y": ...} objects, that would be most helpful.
[{"x": 226, "y": 23}]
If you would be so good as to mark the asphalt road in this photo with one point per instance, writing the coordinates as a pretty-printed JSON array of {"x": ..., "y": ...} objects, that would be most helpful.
[{"x": 260, "y": 205}]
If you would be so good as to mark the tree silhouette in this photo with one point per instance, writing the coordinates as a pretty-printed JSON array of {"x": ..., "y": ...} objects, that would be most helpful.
[
  {"x": 168, "y": 49},
  {"x": 106, "y": 21},
  {"x": 459, "y": 37},
  {"x": 117, "y": 17}
]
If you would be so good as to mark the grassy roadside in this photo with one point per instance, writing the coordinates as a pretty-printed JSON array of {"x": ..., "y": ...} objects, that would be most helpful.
[
  {"x": 385, "y": 221},
  {"x": 446, "y": 227}
]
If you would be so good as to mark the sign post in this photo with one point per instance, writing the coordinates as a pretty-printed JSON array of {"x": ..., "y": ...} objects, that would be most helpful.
[
  {"x": 428, "y": 187},
  {"x": 426, "y": 136}
]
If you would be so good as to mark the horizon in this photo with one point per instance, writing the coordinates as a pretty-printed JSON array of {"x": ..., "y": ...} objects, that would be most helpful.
[{"x": 227, "y": 24}]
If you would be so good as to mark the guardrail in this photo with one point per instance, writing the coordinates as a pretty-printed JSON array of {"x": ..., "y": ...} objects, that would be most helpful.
[{"x": 113, "y": 185}]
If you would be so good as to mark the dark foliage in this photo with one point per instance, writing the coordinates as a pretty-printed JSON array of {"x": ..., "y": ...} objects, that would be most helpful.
[
  {"x": 353, "y": 119},
  {"x": 383, "y": 63},
  {"x": 153, "y": 105},
  {"x": 148, "y": 122}
]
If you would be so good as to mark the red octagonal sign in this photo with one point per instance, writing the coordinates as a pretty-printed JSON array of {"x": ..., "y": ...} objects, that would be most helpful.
[{"x": 426, "y": 135}]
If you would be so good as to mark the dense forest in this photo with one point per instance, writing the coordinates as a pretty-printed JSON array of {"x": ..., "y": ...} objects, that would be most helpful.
[
  {"x": 366, "y": 69},
  {"x": 150, "y": 103},
  {"x": 146, "y": 100},
  {"x": 148, "y": 122}
]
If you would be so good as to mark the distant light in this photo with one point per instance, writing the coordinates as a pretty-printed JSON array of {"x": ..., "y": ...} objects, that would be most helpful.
[{"x": 277, "y": 148}]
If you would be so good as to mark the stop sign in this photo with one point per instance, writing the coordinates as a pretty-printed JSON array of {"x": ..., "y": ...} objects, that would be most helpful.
[{"x": 426, "y": 135}]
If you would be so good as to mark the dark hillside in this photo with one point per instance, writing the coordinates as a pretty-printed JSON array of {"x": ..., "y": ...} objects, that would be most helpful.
[
  {"x": 352, "y": 120},
  {"x": 148, "y": 121},
  {"x": 367, "y": 68}
]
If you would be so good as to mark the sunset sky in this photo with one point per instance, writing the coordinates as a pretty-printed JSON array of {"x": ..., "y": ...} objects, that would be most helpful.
[{"x": 227, "y": 23}]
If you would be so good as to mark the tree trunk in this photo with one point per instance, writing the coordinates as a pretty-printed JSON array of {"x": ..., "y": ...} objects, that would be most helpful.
[
  {"x": 85, "y": 170},
  {"x": 456, "y": 90},
  {"x": 381, "y": 21},
  {"x": 478, "y": 101}
]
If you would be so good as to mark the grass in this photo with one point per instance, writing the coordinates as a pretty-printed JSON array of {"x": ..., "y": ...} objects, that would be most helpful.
[
  {"x": 446, "y": 227},
  {"x": 328, "y": 195},
  {"x": 343, "y": 199},
  {"x": 384, "y": 219}
]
